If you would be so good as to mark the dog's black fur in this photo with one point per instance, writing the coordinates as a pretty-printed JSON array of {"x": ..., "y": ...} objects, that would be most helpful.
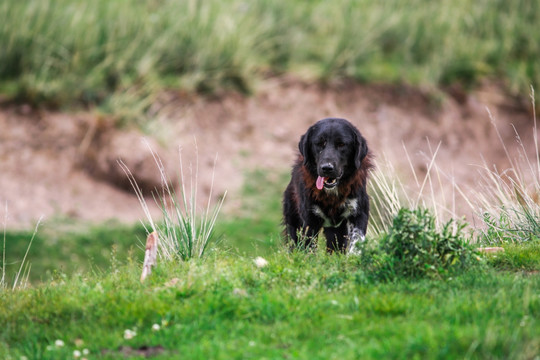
[{"x": 334, "y": 150}]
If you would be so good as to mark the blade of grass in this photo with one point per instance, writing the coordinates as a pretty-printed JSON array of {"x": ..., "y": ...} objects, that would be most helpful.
[
  {"x": 2, "y": 282},
  {"x": 25, "y": 255}
]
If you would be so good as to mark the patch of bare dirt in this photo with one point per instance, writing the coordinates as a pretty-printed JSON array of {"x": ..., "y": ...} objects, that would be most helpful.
[
  {"x": 65, "y": 164},
  {"x": 143, "y": 351}
]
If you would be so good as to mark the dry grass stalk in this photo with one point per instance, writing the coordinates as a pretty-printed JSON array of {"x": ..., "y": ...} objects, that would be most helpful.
[
  {"x": 490, "y": 250},
  {"x": 150, "y": 254}
]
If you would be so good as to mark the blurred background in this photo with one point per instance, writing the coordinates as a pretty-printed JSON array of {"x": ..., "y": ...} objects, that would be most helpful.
[{"x": 441, "y": 90}]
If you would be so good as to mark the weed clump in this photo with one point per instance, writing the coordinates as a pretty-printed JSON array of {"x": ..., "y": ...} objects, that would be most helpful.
[
  {"x": 510, "y": 200},
  {"x": 512, "y": 226},
  {"x": 185, "y": 232},
  {"x": 415, "y": 248}
]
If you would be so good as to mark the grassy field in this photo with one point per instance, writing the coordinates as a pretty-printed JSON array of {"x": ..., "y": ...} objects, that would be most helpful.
[
  {"x": 120, "y": 55},
  {"x": 300, "y": 305}
]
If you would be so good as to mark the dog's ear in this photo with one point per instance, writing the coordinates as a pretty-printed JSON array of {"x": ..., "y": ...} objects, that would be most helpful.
[
  {"x": 360, "y": 150},
  {"x": 305, "y": 148}
]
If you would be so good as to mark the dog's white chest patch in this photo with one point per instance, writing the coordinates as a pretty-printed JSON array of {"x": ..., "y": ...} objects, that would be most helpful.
[
  {"x": 351, "y": 206},
  {"x": 318, "y": 211}
]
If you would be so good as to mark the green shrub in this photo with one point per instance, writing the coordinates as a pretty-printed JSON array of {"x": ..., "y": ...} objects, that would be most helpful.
[{"x": 415, "y": 248}]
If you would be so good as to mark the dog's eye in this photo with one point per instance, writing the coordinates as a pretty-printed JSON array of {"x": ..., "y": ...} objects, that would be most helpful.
[
  {"x": 321, "y": 143},
  {"x": 340, "y": 144}
]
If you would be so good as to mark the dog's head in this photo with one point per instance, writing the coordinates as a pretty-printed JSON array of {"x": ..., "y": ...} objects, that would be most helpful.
[{"x": 333, "y": 149}]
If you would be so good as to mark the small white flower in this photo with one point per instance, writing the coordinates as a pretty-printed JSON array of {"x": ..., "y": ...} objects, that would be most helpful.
[
  {"x": 23, "y": 358},
  {"x": 129, "y": 334},
  {"x": 86, "y": 351},
  {"x": 251, "y": 343},
  {"x": 76, "y": 354},
  {"x": 59, "y": 343},
  {"x": 260, "y": 262},
  {"x": 156, "y": 327},
  {"x": 334, "y": 302}
]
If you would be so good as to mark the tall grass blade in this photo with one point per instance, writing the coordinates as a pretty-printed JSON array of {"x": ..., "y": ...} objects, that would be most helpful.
[
  {"x": 25, "y": 265},
  {"x": 3, "y": 281}
]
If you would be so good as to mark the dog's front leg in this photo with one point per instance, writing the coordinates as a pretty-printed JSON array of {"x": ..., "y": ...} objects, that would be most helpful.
[
  {"x": 336, "y": 238},
  {"x": 356, "y": 237}
]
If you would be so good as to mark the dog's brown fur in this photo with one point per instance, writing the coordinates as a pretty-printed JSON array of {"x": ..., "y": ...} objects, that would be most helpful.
[{"x": 345, "y": 189}]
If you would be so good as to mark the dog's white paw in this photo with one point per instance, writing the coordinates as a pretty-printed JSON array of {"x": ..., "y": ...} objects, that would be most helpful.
[{"x": 356, "y": 237}]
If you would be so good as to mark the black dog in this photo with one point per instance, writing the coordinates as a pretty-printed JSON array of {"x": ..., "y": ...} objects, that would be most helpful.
[{"x": 328, "y": 186}]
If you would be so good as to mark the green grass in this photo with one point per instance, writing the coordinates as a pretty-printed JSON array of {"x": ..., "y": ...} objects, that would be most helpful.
[
  {"x": 253, "y": 228},
  {"x": 120, "y": 55},
  {"x": 61, "y": 248},
  {"x": 301, "y": 305},
  {"x": 305, "y": 306},
  {"x": 523, "y": 256}
]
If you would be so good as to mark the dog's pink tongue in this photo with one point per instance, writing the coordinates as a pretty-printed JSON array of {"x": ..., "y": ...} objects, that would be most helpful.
[{"x": 320, "y": 182}]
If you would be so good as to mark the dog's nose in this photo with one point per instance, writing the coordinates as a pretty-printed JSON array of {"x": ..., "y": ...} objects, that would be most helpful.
[{"x": 327, "y": 168}]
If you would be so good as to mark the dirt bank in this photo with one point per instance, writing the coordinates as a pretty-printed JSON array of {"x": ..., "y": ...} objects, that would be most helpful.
[{"x": 59, "y": 164}]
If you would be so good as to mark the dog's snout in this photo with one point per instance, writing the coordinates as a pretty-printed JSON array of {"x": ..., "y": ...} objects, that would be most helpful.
[{"x": 327, "y": 168}]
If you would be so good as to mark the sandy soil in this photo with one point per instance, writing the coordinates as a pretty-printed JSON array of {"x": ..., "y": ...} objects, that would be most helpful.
[{"x": 59, "y": 164}]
